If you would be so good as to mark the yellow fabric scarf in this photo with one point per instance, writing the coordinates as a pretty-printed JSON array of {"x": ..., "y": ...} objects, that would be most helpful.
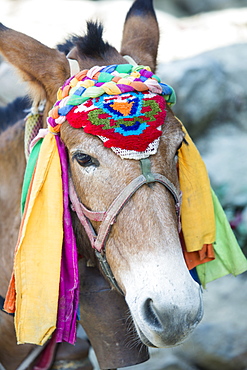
[
  {"x": 37, "y": 279},
  {"x": 197, "y": 210}
]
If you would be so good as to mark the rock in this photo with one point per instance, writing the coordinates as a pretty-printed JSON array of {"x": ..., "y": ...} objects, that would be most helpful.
[
  {"x": 199, "y": 6},
  {"x": 217, "y": 347},
  {"x": 224, "y": 150},
  {"x": 180, "y": 37},
  {"x": 210, "y": 87},
  {"x": 163, "y": 359},
  {"x": 170, "y": 7},
  {"x": 160, "y": 359},
  {"x": 11, "y": 86},
  {"x": 220, "y": 341},
  {"x": 198, "y": 99}
]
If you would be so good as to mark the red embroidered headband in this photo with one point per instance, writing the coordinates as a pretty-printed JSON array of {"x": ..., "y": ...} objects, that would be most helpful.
[{"x": 123, "y": 105}]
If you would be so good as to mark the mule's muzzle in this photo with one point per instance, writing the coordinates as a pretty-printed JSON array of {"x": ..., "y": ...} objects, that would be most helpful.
[{"x": 167, "y": 325}]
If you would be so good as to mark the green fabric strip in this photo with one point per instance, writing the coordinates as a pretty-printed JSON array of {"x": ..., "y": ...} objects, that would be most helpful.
[
  {"x": 29, "y": 172},
  {"x": 229, "y": 258},
  {"x": 171, "y": 99}
]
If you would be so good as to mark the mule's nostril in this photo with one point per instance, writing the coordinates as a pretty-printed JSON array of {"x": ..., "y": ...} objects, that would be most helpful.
[{"x": 151, "y": 315}]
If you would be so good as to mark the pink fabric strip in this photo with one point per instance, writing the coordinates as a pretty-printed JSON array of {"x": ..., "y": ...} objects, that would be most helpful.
[
  {"x": 69, "y": 279},
  {"x": 42, "y": 133}
]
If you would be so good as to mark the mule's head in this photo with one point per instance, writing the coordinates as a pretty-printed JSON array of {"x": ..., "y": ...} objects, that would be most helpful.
[{"x": 143, "y": 248}]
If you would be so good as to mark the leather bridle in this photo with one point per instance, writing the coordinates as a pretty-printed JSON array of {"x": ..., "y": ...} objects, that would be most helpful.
[{"x": 108, "y": 218}]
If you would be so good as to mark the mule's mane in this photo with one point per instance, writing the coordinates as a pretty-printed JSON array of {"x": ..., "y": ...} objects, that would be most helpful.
[
  {"x": 92, "y": 43},
  {"x": 67, "y": 45}
]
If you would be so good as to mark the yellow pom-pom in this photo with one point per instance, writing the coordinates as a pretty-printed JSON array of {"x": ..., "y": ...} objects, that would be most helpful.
[
  {"x": 86, "y": 83},
  {"x": 111, "y": 88},
  {"x": 59, "y": 94},
  {"x": 73, "y": 82},
  {"x": 124, "y": 81},
  {"x": 135, "y": 74}
]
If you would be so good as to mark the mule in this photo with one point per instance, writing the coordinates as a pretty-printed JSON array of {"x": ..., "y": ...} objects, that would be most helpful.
[{"x": 143, "y": 249}]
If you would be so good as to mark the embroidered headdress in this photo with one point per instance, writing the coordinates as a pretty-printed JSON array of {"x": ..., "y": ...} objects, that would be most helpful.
[{"x": 123, "y": 105}]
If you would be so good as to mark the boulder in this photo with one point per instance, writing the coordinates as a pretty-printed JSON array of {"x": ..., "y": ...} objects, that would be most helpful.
[
  {"x": 224, "y": 151},
  {"x": 199, "y": 6},
  {"x": 210, "y": 87},
  {"x": 11, "y": 86},
  {"x": 220, "y": 341}
]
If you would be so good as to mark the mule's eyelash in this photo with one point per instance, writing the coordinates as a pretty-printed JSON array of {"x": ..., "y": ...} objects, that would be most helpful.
[
  {"x": 85, "y": 160},
  {"x": 184, "y": 141}
]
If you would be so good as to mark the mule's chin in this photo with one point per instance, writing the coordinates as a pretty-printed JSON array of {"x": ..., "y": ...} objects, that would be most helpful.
[
  {"x": 145, "y": 339},
  {"x": 162, "y": 340}
]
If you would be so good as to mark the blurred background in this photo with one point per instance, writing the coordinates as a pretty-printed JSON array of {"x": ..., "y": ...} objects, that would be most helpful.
[{"x": 202, "y": 54}]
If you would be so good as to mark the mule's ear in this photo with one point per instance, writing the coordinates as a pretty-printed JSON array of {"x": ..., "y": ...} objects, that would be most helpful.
[
  {"x": 141, "y": 34},
  {"x": 44, "y": 69}
]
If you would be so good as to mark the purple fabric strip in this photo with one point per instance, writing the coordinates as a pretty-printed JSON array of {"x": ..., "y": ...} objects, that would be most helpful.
[
  {"x": 125, "y": 88},
  {"x": 69, "y": 279},
  {"x": 146, "y": 73},
  {"x": 67, "y": 81}
]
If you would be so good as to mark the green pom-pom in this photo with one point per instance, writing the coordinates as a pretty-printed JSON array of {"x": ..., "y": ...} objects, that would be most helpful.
[
  {"x": 124, "y": 68},
  {"x": 76, "y": 100},
  {"x": 156, "y": 78},
  {"x": 105, "y": 77}
]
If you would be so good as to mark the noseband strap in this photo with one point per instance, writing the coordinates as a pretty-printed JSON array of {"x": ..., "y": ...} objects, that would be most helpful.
[{"x": 108, "y": 218}]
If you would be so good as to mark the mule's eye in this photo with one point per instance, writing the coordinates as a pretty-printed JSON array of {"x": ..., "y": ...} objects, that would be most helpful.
[
  {"x": 183, "y": 142},
  {"x": 85, "y": 160}
]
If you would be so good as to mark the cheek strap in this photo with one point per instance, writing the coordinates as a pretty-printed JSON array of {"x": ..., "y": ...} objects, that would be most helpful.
[{"x": 108, "y": 218}]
